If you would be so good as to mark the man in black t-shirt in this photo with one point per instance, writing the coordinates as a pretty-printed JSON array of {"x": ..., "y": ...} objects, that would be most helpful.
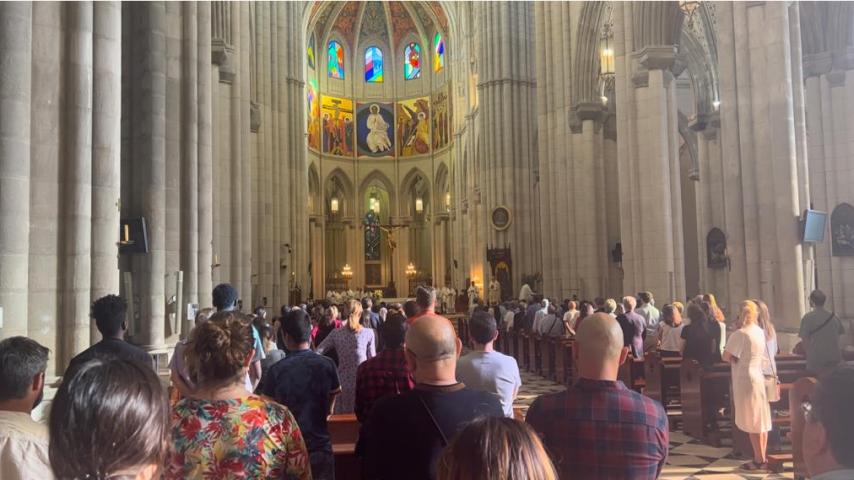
[
  {"x": 307, "y": 384},
  {"x": 110, "y": 314},
  {"x": 405, "y": 433}
]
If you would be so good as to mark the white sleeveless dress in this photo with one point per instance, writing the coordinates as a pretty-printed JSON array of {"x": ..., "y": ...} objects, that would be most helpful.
[{"x": 752, "y": 411}]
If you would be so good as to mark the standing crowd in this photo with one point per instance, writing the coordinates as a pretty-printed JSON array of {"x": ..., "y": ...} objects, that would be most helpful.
[{"x": 252, "y": 398}]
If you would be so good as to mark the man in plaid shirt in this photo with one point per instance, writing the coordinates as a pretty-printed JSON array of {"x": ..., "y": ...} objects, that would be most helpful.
[
  {"x": 385, "y": 374},
  {"x": 598, "y": 428}
]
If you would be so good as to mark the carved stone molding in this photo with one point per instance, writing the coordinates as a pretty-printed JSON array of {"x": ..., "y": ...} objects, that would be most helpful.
[
  {"x": 589, "y": 110},
  {"x": 817, "y": 64},
  {"x": 254, "y": 117},
  {"x": 222, "y": 54},
  {"x": 657, "y": 57}
]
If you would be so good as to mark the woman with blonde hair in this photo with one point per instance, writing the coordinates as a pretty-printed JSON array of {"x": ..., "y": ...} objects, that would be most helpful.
[
  {"x": 496, "y": 448},
  {"x": 715, "y": 313},
  {"x": 767, "y": 326},
  {"x": 354, "y": 344},
  {"x": 746, "y": 354}
]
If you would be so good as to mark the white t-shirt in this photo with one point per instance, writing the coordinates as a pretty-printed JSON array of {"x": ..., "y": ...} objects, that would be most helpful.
[
  {"x": 671, "y": 338},
  {"x": 491, "y": 372}
]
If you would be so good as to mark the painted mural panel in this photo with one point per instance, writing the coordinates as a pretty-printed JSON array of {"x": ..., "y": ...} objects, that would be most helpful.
[
  {"x": 374, "y": 129},
  {"x": 441, "y": 118},
  {"x": 313, "y": 115},
  {"x": 338, "y": 128},
  {"x": 413, "y": 126}
]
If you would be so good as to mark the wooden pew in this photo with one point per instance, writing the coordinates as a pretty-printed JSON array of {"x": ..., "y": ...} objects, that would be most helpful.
[
  {"x": 563, "y": 362},
  {"x": 522, "y": 352},
  {"x": 631, "y": 374},
  {"x": 534, "y": 354},
  {"x": 799, "y": 393},
  {"x": 661, "y": 376},
  {"x": 699, "y": 387},
  {"x": 550, "y": 346},
  {"x": 344, "y": 432}
]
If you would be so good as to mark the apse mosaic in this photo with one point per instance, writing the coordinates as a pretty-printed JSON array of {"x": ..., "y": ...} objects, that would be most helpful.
[
  {"x": 441, "y": 118},
  {"x": 373, "y": 65},
  {"x": 374, "y": 129},
  {"x": 335, "y": 60},
  {"x": 413, "y": 126},
  {"x": 412, "y": 61},
  {"x": 313, "y": 114},
  {"x": 337, "y": 122}
]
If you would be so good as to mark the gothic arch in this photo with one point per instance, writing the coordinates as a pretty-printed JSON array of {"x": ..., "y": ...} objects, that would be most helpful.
[
  {"x": 414, "y": 183},
  {"x": 339, "y": 182},
  {"x": 377, "y": 178},
  {"x": 656, "y": 23},
  {"x": 314, "y": 191},
  {"x": 586, "y": 69}
]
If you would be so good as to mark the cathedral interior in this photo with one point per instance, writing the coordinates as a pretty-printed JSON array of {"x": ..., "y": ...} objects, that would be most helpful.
[{"x": 156, "y": 149}]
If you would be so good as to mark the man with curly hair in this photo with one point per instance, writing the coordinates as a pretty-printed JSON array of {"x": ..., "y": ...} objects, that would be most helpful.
[{"x": 110, "y": 314}]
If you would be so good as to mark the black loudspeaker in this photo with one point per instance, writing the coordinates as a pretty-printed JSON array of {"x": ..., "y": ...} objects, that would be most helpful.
[{"x": 133, "y": 236}]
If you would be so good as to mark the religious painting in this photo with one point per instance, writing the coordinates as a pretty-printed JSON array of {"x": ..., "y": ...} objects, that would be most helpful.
[
  {"x": 338, "y": 129},
  {"x": 842, "y": 230},
  {"x": 313, "y": 115},
  {"x": 501, "y": 218},
  {"x": 413, "y": 127},
  {"x": 441, "y": 118},
  {"x": 374, "y": 129}
]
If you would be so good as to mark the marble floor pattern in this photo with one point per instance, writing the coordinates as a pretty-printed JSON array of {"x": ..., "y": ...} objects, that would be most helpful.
[{"x": 689, "y": 458}]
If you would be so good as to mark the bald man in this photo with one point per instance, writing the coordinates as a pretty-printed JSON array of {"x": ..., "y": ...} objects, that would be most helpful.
[
  {"x": 405, "y": 433},
  {"x": 599, "y": 410}
]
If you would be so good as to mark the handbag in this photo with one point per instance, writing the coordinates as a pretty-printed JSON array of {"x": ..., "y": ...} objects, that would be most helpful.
[{"x": 772, "y": 382}]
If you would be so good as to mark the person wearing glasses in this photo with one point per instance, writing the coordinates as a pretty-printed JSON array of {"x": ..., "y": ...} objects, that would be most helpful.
[{"x": 828, "y": 440}]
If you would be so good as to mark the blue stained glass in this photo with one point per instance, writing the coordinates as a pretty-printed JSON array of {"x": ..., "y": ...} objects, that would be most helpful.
[{"x": 373, "y": 65}]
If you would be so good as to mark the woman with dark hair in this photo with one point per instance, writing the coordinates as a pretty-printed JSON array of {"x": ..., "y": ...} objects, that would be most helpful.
[
  {"x": 701, "y": 337},
  {"x": 109, "y": 420},
  {"x": 223, "y": 431},
  {"x": 272, "y": 353},
  {"x": 496, "y": 448}
]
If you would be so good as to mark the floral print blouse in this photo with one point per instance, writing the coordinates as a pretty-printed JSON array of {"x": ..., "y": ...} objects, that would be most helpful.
[{"x": 242, "y": 438}]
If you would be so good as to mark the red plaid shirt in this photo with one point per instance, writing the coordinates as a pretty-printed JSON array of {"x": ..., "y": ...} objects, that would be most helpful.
[
  {"x": 601, "y": 429},
  {"x": 385, "y": 374}
]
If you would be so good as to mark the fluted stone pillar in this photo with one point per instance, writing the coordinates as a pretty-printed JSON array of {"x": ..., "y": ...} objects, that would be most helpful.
[
  {"x": 205, "y": 155},
  {"x": 759, "y": 145},
  {"x": 106, "y": 141},
  {"x": 148, "y": 159},
  {"x": 506, "y": 89},
  {"x": 77, "y": 180},
  {"x": 15, "y": 103},
  {"x": 189, "y": 159}
]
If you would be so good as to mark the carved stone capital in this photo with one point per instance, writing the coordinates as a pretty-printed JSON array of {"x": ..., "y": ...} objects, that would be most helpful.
[
  {"x": 657, "y": 57},
  {"x": 222, "y": 54},
  {"x": 589, "y": 110},
  {"x": 254, "y": 117},
  {"x": 817, "y": 64}
]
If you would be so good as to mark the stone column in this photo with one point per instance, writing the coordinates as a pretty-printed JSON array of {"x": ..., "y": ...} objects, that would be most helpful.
[
  {"x": 245, "y": 225},
  {"x": 189, "y": 160},
  {"x": 205, "y": 155},
  {"x": 148, "y": 157},
  {"x": 762, "y": 157},
  {"x": 15, "y": 103},
  {"x": 76, "y": 180},
  {"x": 506, "y": 87},
  {"x": 106, "y": 141}
]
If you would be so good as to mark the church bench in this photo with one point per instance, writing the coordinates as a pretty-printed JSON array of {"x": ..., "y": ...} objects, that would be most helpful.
[
  {"x": 631, "y": 374},
  {"x": 700, "y": 393},
  {"x": 534, "y": 353},
  {"x": 800, "y": 392},
  {"x": 563, "y": 362},
  {"x": 661, "y": 376},
  {"x": 551, "y": 348},
  {"x": 344, "y": 432}
]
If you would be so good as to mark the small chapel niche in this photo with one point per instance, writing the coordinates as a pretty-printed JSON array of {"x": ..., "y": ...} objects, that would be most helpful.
[
  {"x": 842, "y": 230},
  {"x": 716, "y": 253}
]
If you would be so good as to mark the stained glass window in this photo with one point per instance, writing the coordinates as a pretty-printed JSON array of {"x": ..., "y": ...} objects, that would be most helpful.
[
  {"x": 438, "y": 53},
  {"x": 310, "y": 52},
  {"x": 412, "y": 61},
  {"x": 335, "y": 62},
  {"x": 373, "y": 65}
]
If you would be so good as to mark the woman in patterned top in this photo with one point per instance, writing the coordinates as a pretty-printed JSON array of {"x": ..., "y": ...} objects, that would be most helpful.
[
  {"x": 223, "y": 431},
  {"x": 354, "y": 345}
]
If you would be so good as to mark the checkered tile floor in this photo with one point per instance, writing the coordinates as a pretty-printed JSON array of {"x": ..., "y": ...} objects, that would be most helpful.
[{"x": 689, "y": 458}]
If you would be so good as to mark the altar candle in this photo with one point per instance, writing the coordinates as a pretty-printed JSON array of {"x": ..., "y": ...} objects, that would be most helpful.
[{"x": 127, "y": 233}]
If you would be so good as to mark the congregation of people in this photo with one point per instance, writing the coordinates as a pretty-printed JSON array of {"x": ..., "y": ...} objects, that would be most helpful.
[{"x": 249, "y": 396}]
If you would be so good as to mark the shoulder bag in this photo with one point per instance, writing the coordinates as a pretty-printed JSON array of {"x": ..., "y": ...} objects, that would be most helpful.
[{"x": 772, "y": 382}]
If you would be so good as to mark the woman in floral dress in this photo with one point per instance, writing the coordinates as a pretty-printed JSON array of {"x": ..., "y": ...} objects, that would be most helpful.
[
  {"x": 354, "y": 344},
  {"x": 222, "y": 431}
]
